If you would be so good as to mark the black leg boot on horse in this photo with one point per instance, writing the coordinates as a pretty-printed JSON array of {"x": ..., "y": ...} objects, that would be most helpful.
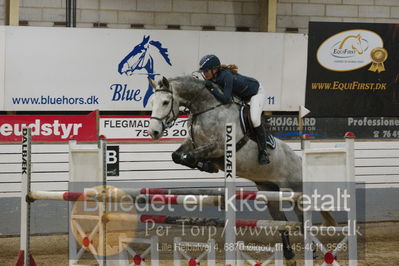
[
  {"x": 263, "y": 156},
  {"x": 207, "y": 166},
  {"x": 188, "y": 160}
]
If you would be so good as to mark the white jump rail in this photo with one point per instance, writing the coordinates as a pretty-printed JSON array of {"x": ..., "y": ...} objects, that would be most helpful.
[
  {"x": 80, "y": 156},
  {"x": 87, "y": 168},
  {"x": 330, "y": 171},
  {"x": 331, "y": 164},
  {"x": 192, "y": 199},
  {"x": 81, "y": 176}
]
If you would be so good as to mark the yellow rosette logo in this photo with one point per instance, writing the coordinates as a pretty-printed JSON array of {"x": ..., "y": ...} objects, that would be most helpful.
[{"x": 378, "y": 56}]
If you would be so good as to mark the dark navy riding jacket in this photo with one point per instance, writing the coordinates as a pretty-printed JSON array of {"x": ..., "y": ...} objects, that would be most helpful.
[{"x": 238, "y": 85}]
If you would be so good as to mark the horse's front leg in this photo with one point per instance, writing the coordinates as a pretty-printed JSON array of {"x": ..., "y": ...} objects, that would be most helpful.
[
  {"x": 194, "y": 158},
  {"x": 202, "y": 151},
  {"x": 179, "y": 156},
  {"x": 200, "y": 157}
]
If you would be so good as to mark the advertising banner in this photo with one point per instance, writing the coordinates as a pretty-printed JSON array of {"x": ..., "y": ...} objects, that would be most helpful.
[
  {"x": 134, "y": 128},
  {"x": 108, "y": 69},
  {"x": 353, "y": 69},
  {"x": 60, "y": 128},
  {"x": 2, "y": 65},
  {"x": 286, "y": 127},
  {"x": 49, "y": 128}
]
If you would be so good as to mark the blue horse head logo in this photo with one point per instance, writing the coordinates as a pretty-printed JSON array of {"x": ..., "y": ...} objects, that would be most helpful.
[{"x": 140, "y": 59}]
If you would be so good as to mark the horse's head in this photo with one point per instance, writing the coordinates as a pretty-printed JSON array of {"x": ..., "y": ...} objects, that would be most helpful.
[{"x": 165, "y": 108}]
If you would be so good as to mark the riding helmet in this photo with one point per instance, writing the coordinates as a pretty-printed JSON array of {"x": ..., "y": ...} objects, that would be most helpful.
[{"x": 209, "y": 61}]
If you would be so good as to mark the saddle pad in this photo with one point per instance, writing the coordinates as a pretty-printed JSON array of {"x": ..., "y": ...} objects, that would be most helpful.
[{"x": 270, "y": 140}]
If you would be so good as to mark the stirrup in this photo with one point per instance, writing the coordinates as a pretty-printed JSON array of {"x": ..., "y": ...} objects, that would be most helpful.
[{"x": 263, "y": 157}]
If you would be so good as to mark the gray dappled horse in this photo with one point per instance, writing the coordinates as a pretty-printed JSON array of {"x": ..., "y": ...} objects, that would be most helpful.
[{"x": 206, "y": 142}]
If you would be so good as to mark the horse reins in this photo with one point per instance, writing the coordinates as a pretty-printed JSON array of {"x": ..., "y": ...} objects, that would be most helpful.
[
  {"x": 206, "y": 110},
  {"x": 239, "y": 144}
]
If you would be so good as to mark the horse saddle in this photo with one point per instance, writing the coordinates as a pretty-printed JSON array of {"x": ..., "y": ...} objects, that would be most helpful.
[{"x": 248, "y": 129}]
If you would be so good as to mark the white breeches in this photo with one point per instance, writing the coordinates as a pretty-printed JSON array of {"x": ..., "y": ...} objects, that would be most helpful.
[{"x": 256, "y": 106}]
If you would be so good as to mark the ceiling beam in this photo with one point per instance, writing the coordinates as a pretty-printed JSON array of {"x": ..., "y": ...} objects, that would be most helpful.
[
  {"x": 12, "y": 12},
  {"x": 267, "y": 15},
  {"x": 272, "y": 16}
]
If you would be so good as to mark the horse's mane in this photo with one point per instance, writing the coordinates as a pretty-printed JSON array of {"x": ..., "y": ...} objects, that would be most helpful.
[
  {"x": 197, "y": 85},
  {"x": 189, "y": 81},
  {"x": 193, "y": 90}
]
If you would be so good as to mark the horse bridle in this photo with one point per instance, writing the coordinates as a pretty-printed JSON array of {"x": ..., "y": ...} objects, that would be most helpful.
[
  {"x": 164, "y": 124},
  {"x": 168, "y": 125}
]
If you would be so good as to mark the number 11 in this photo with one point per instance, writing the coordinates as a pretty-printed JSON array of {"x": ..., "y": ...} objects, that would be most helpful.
[{"x": 270, "y": 99}]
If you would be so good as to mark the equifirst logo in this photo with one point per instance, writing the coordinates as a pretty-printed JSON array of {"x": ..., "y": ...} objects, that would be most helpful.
[
  {"x": 352, "y": 49},
  {"x": 350, "y": 46},
  {"x": 64, "y": 130}
]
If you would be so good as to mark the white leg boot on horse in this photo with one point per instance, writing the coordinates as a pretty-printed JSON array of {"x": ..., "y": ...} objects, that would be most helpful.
[{"x": 263, "y": 156}]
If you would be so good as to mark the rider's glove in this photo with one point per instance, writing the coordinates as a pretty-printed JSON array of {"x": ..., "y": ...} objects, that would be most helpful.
[{"x": 209, "y": 85}]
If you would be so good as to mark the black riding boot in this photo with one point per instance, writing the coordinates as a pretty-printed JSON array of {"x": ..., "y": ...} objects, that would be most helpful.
[{"x": 263, "y": 157}]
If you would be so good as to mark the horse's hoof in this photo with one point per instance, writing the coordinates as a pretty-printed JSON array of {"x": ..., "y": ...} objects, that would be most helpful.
[
  {"x": 177, "y": 157},
  {"x": 288, "y": 254},
  {"x": 188, "y": 158},
  {"x": 213, "y": 170},
  {"x": 208, "y": 167}
]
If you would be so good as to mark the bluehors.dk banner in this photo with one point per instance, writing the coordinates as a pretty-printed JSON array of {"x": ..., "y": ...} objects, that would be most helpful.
[
  {"x": 353, "y": 69},
  {"x": 48, "y": 69}
]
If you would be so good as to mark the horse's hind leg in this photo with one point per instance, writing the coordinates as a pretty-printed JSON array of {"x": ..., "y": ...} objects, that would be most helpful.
[
  {"x": 328, "y": 219},
  {"x": 277, "y": 214}
]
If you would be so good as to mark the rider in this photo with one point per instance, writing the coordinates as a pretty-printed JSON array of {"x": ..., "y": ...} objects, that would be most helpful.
[{"x": 246, "y": 88}]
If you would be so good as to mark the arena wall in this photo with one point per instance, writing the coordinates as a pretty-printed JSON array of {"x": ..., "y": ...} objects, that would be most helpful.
[{"x": 226, "y": 15}]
